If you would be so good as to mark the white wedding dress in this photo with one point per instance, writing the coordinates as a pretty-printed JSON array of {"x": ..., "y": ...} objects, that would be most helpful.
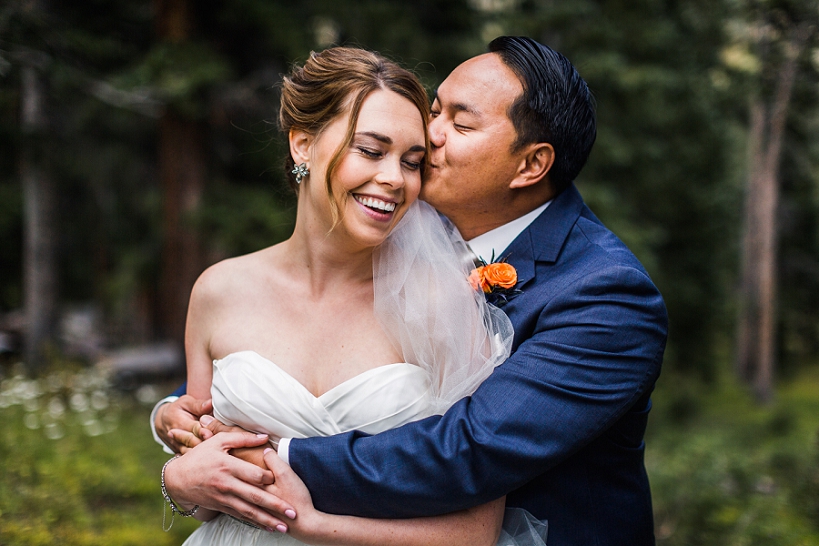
[
  {"x": 448, "y": 332},
  {"x": 254, "y": 393}
]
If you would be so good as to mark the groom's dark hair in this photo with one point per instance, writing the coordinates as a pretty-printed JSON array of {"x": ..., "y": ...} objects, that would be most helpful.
[{"x": 555, "y": 107}]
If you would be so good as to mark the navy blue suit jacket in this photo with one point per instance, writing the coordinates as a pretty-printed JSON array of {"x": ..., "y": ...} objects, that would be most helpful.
[{"x": 558, "y": 427}]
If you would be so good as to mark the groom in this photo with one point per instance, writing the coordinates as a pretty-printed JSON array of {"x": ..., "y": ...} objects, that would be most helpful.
[{"x": 558, "y": 427}]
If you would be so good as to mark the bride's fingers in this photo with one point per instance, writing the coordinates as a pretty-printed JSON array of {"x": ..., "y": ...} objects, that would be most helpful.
[
  {"x": 251, "y": 474},
  {"x": 287, "y": 482},
  {"x": 245, "y": 511},
  {"x": 261, "y": 507},
  {"x": 275, "y": 463},
  {"x": 232, "y": 440}
]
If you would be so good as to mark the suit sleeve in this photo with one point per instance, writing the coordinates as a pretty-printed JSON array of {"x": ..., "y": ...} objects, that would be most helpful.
[
  {"x": 595, "y": 349},
  {"x": 181, "y": 390}
]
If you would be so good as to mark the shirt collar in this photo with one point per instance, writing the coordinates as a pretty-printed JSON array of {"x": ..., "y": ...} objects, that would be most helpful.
[{"x": 496, "y": 240}]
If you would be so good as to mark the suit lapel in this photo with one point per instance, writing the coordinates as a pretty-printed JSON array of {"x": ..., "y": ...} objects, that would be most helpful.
[{"x": 543, "y": 240}]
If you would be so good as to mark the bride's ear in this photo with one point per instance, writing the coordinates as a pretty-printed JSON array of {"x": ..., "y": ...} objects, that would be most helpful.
[{"x": 300, "y": 143}]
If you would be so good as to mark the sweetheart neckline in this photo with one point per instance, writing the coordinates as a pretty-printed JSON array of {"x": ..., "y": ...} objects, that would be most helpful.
[{"x": 358, "y": 377}]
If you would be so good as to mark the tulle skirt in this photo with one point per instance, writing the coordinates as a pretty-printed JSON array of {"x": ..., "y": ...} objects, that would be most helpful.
[
  {"x": 520, "y": 528},
  {"x": 224, "y": 530}
]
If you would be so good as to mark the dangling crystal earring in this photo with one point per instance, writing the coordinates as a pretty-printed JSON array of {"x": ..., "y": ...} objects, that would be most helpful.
[{"x": 301, "y": 171}]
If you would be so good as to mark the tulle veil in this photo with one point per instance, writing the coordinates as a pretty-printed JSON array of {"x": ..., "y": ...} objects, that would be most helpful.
[
  {"x": 432, "y": 314},
  {"x": 429, "y": 310}
]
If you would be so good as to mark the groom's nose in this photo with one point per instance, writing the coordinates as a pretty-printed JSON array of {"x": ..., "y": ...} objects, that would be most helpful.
[{"x": 437, "y": 136}]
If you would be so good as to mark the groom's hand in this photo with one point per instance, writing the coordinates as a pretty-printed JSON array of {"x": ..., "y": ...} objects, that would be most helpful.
[
  {"x": 177, "y": 423},
  {"x": 209, "y": 476}
]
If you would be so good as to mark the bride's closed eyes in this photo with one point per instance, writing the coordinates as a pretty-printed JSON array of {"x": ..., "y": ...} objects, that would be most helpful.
[{"x": 412, "y": 159}]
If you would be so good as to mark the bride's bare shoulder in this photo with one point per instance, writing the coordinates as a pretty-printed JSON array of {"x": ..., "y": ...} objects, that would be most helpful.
[{"x": 227, "y": 278}]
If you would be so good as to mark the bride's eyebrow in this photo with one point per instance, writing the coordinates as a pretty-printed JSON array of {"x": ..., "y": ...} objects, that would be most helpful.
[
  {"x": 387, "y": 140},
  {"x": 377, "y": 136}
]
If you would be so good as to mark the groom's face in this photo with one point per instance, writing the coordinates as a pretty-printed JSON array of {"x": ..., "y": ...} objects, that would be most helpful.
[{"x": 472, "y": 136}]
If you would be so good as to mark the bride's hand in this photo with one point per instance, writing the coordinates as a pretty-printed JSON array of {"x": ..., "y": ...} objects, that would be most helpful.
[
  {"x": 209, "y": 476},
  {"x": 309, "y": 522},
  {"x": 210, "y": 426}
]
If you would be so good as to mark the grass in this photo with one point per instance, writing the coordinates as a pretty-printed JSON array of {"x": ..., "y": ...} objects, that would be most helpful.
[
  {"x": 79, "y": 466},
  {"x": 725, "y": 471}
]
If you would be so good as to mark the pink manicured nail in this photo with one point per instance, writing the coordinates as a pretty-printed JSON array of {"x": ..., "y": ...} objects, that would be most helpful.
[
  {"x": 267, "y": 450},
  {"x": 290, "y": 514},
  {"x": 281, "y": 528},
  {"x": 261, "y": 436}
]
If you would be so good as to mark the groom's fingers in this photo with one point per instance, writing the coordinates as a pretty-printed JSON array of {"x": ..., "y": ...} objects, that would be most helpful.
[
  {"x": 195, "y": 406},
  {"x": 180, "y": 415}
]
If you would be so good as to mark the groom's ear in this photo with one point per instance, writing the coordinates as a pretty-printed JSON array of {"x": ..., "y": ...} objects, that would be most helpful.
[
  {"x": 536, "y": 162},
  {"x": 300, "y": 142}
]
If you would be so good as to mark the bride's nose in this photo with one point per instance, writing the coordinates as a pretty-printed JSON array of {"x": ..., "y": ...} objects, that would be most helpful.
[{"x": 390, "y": 174}]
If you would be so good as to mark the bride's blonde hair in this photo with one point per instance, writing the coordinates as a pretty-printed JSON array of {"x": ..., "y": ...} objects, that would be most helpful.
[{"x": 333, "y": 82}]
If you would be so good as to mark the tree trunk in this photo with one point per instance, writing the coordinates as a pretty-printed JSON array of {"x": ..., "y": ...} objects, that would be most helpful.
[
  {"x": 39, "y": 197},
  {"x": 182, "y": 172},
  {"x": 756, "y": 330},
  {"x": 748, "y": 323},
  {"x": 182, "y": 176}
]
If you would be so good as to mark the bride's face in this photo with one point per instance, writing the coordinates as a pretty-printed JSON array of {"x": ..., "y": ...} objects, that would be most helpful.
[{"x": 379, "y": 175}]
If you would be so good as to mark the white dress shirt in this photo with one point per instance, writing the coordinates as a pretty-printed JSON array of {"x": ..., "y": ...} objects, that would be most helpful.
[{"x": 498, "y": 240}]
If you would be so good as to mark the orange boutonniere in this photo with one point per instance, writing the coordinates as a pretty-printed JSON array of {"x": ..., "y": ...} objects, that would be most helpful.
[{"x": 496, "y": 280}]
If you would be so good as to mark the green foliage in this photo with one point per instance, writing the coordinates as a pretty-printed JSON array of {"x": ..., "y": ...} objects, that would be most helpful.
[
  {"x": 179, "y": 75},
  {"x": 671, "y": 82},
  {"x": 658, "y": 174},
  {"x": 725, "y": 471},
  {"x": 81, "y": 486},
  {"x": 242, "y": 219}
]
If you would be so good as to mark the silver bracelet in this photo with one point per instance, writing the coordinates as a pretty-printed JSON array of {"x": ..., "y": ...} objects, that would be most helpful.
[{"x": 169, "y": 502}]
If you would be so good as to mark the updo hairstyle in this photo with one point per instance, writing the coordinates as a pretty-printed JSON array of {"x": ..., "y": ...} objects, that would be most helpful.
[{"x": 333, "y": 82}]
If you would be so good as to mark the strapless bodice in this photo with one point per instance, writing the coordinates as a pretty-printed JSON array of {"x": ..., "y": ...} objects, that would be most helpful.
[{"x": 254, "y": 393}]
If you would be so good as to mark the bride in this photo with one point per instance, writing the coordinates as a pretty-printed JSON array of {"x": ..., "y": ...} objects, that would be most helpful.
[{"x": 363, "y": 319}]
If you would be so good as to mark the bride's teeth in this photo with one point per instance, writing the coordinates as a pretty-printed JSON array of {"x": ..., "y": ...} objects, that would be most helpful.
[{"x": 376, "y": 204}]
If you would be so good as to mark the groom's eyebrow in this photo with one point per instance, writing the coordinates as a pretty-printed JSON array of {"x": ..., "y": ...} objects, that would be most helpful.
[
  {"x": 388, "y": 141},
  {"x": 459, "y": 106}
]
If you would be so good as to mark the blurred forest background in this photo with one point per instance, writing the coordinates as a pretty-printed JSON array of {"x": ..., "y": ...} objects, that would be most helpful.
[{"x": 138, "y": 146}]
